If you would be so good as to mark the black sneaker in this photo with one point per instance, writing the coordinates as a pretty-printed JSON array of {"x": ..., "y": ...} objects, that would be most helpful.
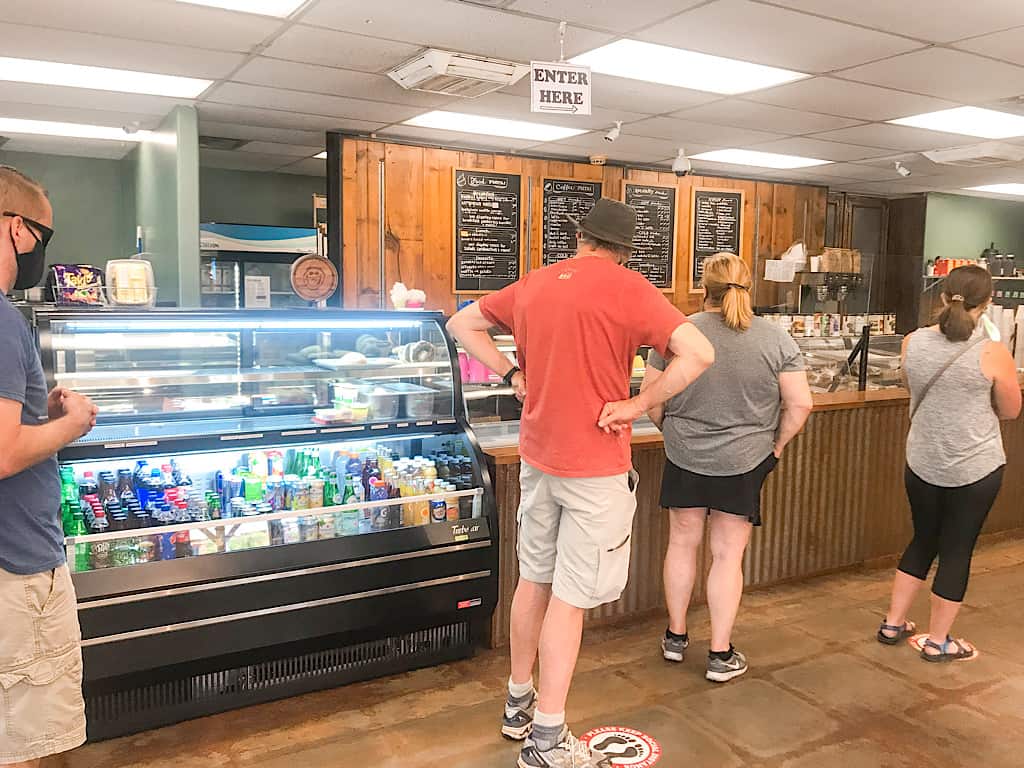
[
  {"x": 723, "y": 671},
  {"x": 518, "y": 718},
  {"x": 570, "y": 752},
  {"x": 674, "y": 650}
]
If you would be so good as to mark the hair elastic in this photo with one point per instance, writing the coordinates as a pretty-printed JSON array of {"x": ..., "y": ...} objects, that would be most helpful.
[
  {"x": 955, "y": 297},
  {"x": 738, "y": 286}
]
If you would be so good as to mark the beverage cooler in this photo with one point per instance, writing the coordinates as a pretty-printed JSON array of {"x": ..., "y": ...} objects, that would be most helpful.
[{"x": 271, "y": 503}]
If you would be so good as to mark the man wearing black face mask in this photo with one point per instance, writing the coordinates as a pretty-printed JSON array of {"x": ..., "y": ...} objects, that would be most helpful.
[{"x": 41, "y": 709}]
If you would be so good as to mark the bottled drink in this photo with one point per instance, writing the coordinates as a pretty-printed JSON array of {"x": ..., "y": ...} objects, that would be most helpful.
[
  {"x": 452, "y": 503},
  {"x": 381, "y": 515},
  {"x": 370, "y": 472},
  {"x": 83, "y": 552},
  {"x": 167, "y": 474},
  {"x": 179, "y": 478},
  {"x": 100, "y": 555},
  {"x": 350, "y": 517},
  {"x": 182, "y": 544},
  {"x": 354, "y": 466},
  {"x": 88, "y": 486}
]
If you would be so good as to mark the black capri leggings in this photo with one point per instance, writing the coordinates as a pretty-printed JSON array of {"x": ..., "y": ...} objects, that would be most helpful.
[{"x": 947, "y": 522}]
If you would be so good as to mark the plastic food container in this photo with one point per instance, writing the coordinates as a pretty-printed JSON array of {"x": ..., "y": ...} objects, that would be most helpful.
[
  {"x": 383, "y": 402},
  {"x": 417, "y": 401}
]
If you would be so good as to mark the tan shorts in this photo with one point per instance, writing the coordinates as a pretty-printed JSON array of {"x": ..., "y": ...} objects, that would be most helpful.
[
  {"x": 574, "y": 534},
  {"x": 41, "y": 708}
]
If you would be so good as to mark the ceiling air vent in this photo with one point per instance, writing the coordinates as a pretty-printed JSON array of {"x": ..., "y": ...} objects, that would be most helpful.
[
  {"x": 221, "y": 142},
  {"x": 977, "y": 155},
  {"x": 456, "y": 74}
]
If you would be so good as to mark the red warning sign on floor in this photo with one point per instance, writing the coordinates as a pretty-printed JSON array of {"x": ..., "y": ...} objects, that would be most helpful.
[{"x": 623, "y": 746}]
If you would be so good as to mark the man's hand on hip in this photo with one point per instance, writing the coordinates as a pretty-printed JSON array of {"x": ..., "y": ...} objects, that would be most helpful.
[
  {"x": 620, "y": 415},
  {"x": 519, "y": 385}
]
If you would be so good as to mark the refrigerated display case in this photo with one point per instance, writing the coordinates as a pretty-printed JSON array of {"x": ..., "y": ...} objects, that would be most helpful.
[{"x": 270, "y": 503}]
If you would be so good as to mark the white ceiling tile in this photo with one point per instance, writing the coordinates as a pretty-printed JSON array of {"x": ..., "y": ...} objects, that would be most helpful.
[
  {"x": 339, "y": 82},
  {"x": 457, "y": 26},
  {"x": 853, "y": 100},
  {"x": 861, "y": 172},
  {"x": 945, "y": 74},
  {"x": 635, "y": 149},
  {"x": 687, "y": 132},
  {"x": 1007, "y": 45},
  {"x": 765, "y": 117},
  {"x": 518, "y": 108},
  {"x": 241, "y": 161},
  {"x": 286, "y": 150},
  {"x": 764, "y": 34},
  {"x": 307, "y": 167},
  {"x": 153, "y": 20},
  {"x": 897, "y": 137},
  {"x": 806, "y": 146},
  {"x": 935, "y": 20},
  {"x": 454, "y": 138},
  {"x": 60, "y": 145},
  {"x": 64, "y": 114},
  {"x": 81, "y": 98},
  {"x": 260, "y": 133},
  {"x": 277, "y": 118},
  {"x": 613, "y": 15},
  {"x": 99, "y": 51},
  {"x": 310, "y": 103},
  {"x": 331, "y": 48}
]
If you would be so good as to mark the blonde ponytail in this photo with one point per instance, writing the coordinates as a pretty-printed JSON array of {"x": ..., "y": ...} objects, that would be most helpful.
[{"x": 727, "y": 282}]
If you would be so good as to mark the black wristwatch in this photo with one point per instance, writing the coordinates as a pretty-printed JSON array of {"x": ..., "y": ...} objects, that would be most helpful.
[{"x": 507, "y": 378}]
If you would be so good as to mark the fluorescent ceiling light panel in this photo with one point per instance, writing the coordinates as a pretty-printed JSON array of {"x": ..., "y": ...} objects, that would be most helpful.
[
  {"x": 492, "y": 126},
  {"x": 279, "y": 8},
  {"x": 758, "y": 159},
  {"x": 683, "y": 69},
  {"x": 320, "y": 155},
  {"x": 1000, "y": 189},
  {"x": 970, "y": 121},
  {"x": 100, "y": 78},
  {"x": 70, "y": 130}
]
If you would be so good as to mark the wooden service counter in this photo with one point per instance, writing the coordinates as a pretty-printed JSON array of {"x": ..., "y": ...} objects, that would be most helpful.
[{"x": 835, "y": 501}]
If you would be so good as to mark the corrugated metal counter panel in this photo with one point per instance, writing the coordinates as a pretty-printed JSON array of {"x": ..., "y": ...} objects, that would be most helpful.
[{"x": 835, "y": 501}]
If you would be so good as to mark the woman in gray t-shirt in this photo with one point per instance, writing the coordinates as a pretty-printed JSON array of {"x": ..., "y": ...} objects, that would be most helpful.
[
  {"x": 723, "y": 436},
  {"x": 955, "y": 456}
]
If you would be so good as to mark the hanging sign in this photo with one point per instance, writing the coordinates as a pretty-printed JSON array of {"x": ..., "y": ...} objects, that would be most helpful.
[{"x": 559, "y": 88}]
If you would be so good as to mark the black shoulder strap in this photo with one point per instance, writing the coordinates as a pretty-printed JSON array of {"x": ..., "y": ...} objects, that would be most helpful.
[{"x": 942, "y": 370}]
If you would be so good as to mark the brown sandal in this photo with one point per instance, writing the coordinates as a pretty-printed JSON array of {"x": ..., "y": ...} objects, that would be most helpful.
[
  {"x": 902, "y": 632},
  {"x": 962, "y": 652}
]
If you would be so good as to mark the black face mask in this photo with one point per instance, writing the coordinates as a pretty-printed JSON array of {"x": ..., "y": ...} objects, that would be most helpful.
[{"x": 31, "y": 264}]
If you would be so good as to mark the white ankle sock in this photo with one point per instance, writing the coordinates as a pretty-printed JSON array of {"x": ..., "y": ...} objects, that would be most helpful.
[
  {"x": 544, "y": 720},
  {"x": 519, "y": 690}
]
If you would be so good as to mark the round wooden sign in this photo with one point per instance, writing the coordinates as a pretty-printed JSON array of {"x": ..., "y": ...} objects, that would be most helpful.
[{"x": 314, "y": 278}]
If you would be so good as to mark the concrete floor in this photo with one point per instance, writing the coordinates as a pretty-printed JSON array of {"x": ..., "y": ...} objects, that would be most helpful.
[{"x": 821, "y": 692}]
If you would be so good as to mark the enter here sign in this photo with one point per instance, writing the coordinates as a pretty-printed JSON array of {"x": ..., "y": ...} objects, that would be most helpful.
[{"x": 559, "y": 88}]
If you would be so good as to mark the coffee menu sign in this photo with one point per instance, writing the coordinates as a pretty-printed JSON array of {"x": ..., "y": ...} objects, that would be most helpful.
[
  {"x": 563, "y": 198},
  {"x": 717, "y": 216},
  {"x": 654, "y": 244},
  {"x": 488, "y": 247}
]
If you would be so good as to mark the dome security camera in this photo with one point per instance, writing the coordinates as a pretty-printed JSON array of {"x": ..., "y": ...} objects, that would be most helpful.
[
  {"x": 613, "y": 133},
  {"x": 681, "y": 166}
]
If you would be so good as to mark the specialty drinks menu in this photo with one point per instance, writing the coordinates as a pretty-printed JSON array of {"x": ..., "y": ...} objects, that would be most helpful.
[
  {"x": 564, "y": 198},
  {"x": 654, "y": 241},
  {"x": 717, "y": 218},
  {"x": 487, "y": 227}
]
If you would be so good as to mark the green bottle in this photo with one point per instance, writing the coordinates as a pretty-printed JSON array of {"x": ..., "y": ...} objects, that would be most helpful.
[{"x": 349, "y": 517}]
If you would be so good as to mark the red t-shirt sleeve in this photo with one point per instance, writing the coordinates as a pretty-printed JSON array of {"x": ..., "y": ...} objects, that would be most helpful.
[
  {"x": 500, "y": 307},
  {"x": 656, "y": 317}
]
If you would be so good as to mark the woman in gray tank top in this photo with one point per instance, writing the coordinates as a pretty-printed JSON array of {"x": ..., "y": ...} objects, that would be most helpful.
[{"x": 955, "y": 456}]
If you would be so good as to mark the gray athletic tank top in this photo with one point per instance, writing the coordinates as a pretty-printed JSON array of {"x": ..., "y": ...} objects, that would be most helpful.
[{"x": 954, "y": 438}]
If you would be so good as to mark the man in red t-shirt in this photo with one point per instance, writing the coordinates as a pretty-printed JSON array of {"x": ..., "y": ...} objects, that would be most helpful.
[{"x": 577, "y": 326}]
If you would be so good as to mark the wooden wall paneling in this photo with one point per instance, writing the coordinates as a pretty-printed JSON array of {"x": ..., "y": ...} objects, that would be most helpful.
[
  {"x": 533, "y": 172},
  {"x": 561, "y": 169},
  {"x": 904, "y": 262},
  {"x": 438, "y": 223},
  {"x": 363, "y": 266},
  {"x": 405, "y": 201},
  {"x": 588, "y": 172},
  {"x": 479, "y": 160},
  {"x": 351, "y": 190}
]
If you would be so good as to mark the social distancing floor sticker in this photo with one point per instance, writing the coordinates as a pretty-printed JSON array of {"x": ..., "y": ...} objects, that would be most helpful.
[{"x": 623, "y": 746}]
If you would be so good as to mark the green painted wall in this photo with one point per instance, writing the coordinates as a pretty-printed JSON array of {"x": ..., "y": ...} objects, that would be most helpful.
[
  {"x": 961, "y": 227},
  {"x": 93, "y": 205},
  {"x": 247, "y": 197}
]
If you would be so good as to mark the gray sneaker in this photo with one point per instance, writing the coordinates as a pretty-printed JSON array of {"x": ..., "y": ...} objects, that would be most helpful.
[
  {"x": 723, "y": 671},
  {"x": 674, "y": 650},
  {"x": 517, "y": 720},
  {"x": 570, "y": 752}
]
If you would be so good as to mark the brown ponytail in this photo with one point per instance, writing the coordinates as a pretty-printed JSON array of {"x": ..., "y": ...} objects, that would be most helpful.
[
  {"x": 727, "y": 282},
  {"x": 965, "y": 288}
]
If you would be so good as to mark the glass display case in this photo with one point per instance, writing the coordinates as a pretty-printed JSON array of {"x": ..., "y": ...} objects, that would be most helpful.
[
  {"x": 270, "y": 502},
  {"x": 827, "y": 358}
]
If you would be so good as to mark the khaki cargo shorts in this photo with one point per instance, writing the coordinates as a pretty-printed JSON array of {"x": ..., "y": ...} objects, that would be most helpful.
[
  {"x": 574, "y": 534},
  {"x": 41, "y": 708}
]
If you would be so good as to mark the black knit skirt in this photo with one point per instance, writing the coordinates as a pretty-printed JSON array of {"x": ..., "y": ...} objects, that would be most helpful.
[{"x": 735, "y": 494}]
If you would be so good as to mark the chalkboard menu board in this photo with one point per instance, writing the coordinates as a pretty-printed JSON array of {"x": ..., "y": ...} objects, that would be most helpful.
[
  {"x": 487, "y": 243},
  {"x": 564, "y": 198},
  {"x": 717, "y": 216},
  {"x": 655, "y": 239}
]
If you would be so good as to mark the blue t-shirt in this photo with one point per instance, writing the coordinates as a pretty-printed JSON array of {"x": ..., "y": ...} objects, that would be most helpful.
[{"x": 31, "y": 539}]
